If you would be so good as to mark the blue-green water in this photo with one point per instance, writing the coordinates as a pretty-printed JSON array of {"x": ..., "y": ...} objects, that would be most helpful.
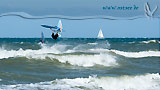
[{"x": 80, "y": 64}]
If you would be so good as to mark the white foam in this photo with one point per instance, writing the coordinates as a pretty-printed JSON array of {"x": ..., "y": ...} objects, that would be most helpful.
[
  {"x": 84, "y": 60},
  {"x": 81, "y": 60},
  {"x": 45, "y": 51},
  {"x": 96, "y": 50},
  {"x": 89, "y": 60},
  {"x": 139, "y": 82},
  {"x": 55, "y": 49},
  {"x": 146, "y": 42},
  {"x": 92, "y": 43},
  {"x": 150, "y": 41},
  {"x": 138, "y": 54},
  {"x": 21, "y": 42}
]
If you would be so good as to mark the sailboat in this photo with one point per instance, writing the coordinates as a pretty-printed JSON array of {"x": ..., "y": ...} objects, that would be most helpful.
[{"x": 100, "y": 34}]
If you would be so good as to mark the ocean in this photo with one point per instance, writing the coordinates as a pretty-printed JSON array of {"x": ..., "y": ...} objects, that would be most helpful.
[{"x": 80, "y": 64}]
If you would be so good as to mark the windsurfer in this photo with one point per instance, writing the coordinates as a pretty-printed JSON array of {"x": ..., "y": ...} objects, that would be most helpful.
[{"x": 54, "y": 36}]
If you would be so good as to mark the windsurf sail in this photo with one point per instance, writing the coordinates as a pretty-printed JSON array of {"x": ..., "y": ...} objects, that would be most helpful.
[
  {"x": 58, "y": 29},
  {"x": 100, "y": 34},
  {"x": 59, "y": 26},
  {"x": 42, "y": 37}
]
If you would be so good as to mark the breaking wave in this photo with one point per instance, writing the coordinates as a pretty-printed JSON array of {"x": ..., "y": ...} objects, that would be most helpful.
[
  {"x": 55, "y": 49},
  {"x": 138, "y": 82},
  {"x": 92, "y": 43},
  {"x": 150, "y": 41},
  {"x": 140, "y": 54},
  {"x": 86, "y": 58},
  {"x": 89, "y": 60},
  {"x": 145, "y": 42},
  {"x": 58, "y": 52}
]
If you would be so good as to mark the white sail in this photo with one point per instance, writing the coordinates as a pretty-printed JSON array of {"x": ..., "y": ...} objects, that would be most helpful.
[{"x": 100, "y": 34}]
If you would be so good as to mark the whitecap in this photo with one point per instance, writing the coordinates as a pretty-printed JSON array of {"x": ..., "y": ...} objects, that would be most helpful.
[
  {"x": 140, "y": 54},
  {"x": 57, "y": 52},
  {"x": 89, "y": 60},
  {"x": 138, "y": 82},
  {"x": 92, "y": 43},
  {"x": 150, "y": 41},
  {"x": 55, "y": 49}
]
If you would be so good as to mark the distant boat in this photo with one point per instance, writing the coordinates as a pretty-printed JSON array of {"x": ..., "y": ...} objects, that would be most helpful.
[{"x": 100, "y": 34}]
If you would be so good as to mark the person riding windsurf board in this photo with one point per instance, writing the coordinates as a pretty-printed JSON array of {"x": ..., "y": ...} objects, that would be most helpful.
[{"x": 58, "y": 29}]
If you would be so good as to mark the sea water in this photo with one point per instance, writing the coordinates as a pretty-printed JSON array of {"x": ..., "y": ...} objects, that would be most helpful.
[{"x": 79, "y": 64}]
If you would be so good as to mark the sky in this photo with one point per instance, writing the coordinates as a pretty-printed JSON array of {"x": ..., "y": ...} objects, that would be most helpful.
[
  {"x": 16, "y": 27},
  {"x": 77, "y": 8}
]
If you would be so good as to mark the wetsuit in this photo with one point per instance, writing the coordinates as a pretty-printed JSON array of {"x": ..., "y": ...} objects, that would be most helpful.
[{"x": 55, "y": 36}]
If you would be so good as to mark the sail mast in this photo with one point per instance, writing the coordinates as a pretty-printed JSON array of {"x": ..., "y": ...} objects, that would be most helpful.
[{"x": 42, "y": 37}]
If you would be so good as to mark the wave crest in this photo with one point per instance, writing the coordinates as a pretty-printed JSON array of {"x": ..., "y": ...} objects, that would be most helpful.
[
  {"x": 141, "y": 54},
  {"x": 55, "y": 49},
  {"x": 138, "y": 82},
  {"x": 59, "y": 53},
  {"x": 150, "y": 41},
  {"x": 89, "y": 60},
  {"x": 74, "y": 56}
]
